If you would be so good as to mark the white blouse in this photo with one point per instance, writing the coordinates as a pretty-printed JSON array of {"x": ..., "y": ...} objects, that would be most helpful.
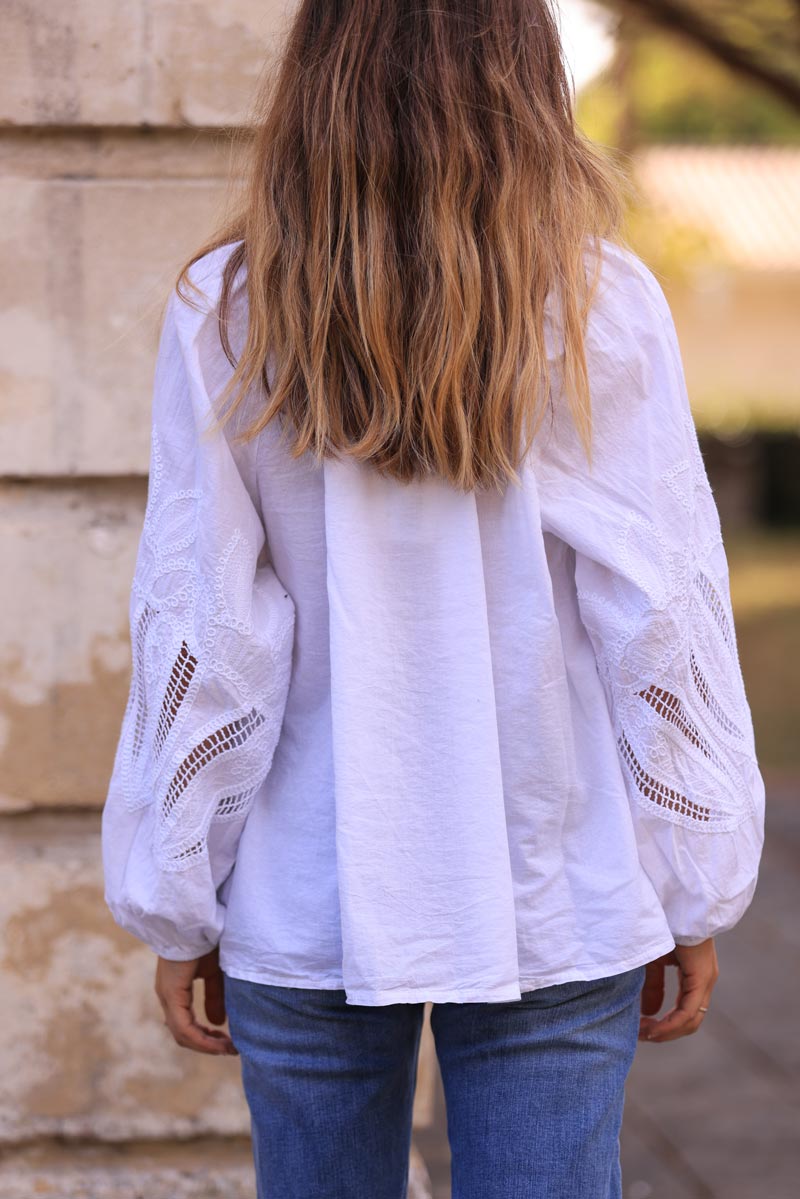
[{"x": 427, "y": 745}]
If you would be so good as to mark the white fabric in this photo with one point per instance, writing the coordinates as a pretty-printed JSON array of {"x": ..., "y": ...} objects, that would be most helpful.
[{"x": 426, "y": 745}]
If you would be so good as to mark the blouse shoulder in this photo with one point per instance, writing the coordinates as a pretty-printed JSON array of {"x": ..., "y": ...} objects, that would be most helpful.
[
  {"x": 629, "y": 319},
  {"x": 190, "y": 306},
  {"x": 634, "y": 370},
  {"x": 191, "y": 334},
  {"x": 627, "y": 282}
]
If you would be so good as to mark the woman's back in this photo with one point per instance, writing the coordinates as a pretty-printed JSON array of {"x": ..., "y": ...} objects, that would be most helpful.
[
  {"x": 511, "y": 742},
  {"x": 435, "y": 693}
]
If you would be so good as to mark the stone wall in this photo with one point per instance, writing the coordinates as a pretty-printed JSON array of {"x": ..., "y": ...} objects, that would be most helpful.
[{"x": 114, "y": 123}]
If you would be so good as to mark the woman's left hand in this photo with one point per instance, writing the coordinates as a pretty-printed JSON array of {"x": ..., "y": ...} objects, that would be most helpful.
[{"x": 174, "y": 989}]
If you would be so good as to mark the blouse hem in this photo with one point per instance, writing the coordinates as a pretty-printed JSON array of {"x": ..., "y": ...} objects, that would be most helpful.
[{"x": 382, "y": 996}]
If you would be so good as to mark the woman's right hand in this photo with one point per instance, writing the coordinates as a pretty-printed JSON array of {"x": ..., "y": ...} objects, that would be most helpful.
[{"x": 698, "y": 971}]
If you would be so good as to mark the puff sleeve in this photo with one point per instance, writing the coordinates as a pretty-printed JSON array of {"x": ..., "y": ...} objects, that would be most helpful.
[
  {"x": 652, "y": 583},
  {"x": 212, "y": 630}
]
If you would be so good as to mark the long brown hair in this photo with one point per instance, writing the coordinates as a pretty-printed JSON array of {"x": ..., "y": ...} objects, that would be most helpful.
[{"x": 416, "y": 188}]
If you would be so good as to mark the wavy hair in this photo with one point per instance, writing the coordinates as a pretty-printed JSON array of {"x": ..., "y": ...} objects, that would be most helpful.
[{"x": 416, "y": 189}]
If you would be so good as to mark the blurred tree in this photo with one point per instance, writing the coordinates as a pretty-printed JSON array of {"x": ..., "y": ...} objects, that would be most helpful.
[
  {"x": 759, "y": 39},
  {"x": 663, "y": 87},
  {"x": 658, "y": 88}
]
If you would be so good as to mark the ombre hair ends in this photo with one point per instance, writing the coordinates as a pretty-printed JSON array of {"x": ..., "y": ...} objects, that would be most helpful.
[{"x": 415, "y": 189}]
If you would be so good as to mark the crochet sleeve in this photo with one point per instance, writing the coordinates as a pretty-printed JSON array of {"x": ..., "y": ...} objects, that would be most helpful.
[
  {"x": 212, "y": 631},
  {"x": 652, "y": 583}
]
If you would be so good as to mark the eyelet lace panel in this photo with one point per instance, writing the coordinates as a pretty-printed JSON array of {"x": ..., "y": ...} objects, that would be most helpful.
[
  {"x": 666, "y": 648},
  {"x": 210, "y": 674},
  {"x": 715, "y": 709},
  {"x": 656, "y": 791},
  {"x": 177, "y": 688}
]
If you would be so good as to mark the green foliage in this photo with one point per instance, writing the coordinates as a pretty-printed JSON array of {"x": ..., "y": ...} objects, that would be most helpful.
[
  {"x": 678, "y": 93},
  {"x": 765, "y": 588},
  {"x": 674, "y": 250}
]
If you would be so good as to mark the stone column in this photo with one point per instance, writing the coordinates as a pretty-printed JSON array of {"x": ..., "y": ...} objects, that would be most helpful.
[{"x": 114, "y": 123}]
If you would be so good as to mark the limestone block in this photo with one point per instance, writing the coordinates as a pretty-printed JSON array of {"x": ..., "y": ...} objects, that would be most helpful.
[
  {"x": 154, "y": 62},
  {"x": 84, "y": 1049},
  {"x": 69, "y": 555},
  {"x": 132, "y": 1183},
  {"x": 88, "y": 266},
  {"x": 72, "y": 63},
  {"x": 205, "y": 58},
  {"x": 211, "y": 1169},
  {"x": 89, "y": 153}
]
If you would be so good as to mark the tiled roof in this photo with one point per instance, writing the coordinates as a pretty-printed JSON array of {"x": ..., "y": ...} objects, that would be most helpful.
[{"x": 746, "y": 197}]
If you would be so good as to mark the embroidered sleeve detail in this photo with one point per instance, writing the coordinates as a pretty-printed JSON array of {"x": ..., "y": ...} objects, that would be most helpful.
[
  {"x": 666, "y": 647},
  {"x": 210, "y": 676},
  {"x": 713, "y": 706},
  {"x": 212, "y": 638},
  {"x": 653, "y": 593},
  {"x": 653, "y": 790}
]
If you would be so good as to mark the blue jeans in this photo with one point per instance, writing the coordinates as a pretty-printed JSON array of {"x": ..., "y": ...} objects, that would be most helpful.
[{"x": 534, "y": 1089}]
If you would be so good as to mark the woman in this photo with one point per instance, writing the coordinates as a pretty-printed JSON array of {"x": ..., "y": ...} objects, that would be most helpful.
[{"x": 435, "y": 691}]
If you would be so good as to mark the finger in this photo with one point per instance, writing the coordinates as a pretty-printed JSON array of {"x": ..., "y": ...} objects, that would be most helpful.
[
  {"x": 685, "y": 1017},
  {"x": 652, "y": 996},
  {"x": 653, "y": 988},
  {"x": 215, "y": 997}
]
